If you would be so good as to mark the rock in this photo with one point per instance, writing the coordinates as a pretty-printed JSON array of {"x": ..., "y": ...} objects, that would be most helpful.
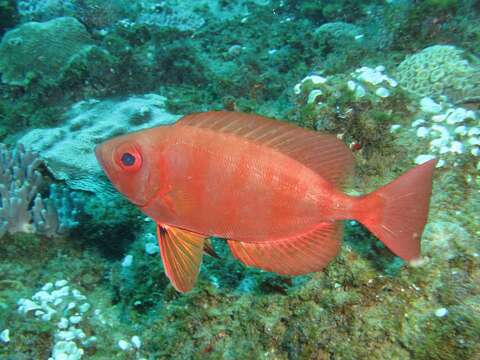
[
  {"x": 68, "y": 150},
  {"x": 338, "y": 34},
  {"x": 43, "y": 10},
  {"x": 445, "y": 240}
]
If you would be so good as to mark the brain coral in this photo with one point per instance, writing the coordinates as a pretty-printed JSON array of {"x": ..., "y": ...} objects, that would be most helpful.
[
  {"x": 441, "y": 70},
  {"x": 41, "y": 50}
]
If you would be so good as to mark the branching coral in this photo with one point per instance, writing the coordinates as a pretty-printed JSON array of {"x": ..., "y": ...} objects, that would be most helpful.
[{"x": 22, "y": 207}]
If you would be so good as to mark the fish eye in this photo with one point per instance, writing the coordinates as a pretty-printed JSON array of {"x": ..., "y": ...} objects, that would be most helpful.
[{"x": 128, "y": 159}]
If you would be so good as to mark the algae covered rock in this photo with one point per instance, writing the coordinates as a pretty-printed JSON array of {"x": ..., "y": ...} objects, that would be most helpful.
[
  {"x": 446, "y": 240},
  {"x": 341, "y": 45},
  {"x": 451, "y": 132},
  {"x": 68, "y": 150},
  {"x": 181, "y": 17},
  {"x": 43, "y": 10},
  {"x": 41, "y": 50},
  {"x": 441, "y": 70},
  {"x": 338, "y": 33},
  {"x": 359, "y": 107},
  {"x": 191, "y": 16}
]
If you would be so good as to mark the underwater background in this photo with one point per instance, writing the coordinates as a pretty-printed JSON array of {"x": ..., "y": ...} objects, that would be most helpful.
[{"x": 80, "y": 272}]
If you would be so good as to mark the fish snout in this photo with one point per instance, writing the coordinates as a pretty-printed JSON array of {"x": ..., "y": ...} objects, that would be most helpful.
[{"x": 99, "y": 155}]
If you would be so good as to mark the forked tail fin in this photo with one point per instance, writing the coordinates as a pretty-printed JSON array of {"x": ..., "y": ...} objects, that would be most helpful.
[{"x": 397, "y": 212}]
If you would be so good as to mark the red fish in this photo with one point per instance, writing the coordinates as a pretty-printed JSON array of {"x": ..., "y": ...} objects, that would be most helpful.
[{"x": 273, "y": 190}]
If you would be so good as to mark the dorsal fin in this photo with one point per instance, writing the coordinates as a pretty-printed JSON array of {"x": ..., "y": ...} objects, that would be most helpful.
[{"x": 323, "y": 153}]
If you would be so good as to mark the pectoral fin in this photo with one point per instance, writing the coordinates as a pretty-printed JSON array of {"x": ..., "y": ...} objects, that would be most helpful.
[{"x": 181, "y": 252}]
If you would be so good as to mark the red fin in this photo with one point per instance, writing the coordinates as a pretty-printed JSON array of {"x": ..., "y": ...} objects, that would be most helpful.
[
  {"x": 292, "y": 256},
  {"x": 181, "y": 252},
  {"x": 323, "y": 153},
  {"x": 397, "y": 212}
]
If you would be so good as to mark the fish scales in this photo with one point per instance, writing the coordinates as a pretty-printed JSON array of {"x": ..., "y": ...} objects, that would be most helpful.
[
  {"x": 272, "y": 190},
  {"x": 239, "y": 189}
]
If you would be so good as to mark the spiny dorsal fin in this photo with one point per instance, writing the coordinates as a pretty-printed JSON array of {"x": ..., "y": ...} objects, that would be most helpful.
[{"x": 323, "y": 153}]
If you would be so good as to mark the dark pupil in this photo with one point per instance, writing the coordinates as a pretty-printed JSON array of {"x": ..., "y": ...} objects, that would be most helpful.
[{"x": 128, "y": 159}]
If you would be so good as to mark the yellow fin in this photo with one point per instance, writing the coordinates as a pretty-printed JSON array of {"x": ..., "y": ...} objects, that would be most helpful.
[{"x": 181, "y": 252}]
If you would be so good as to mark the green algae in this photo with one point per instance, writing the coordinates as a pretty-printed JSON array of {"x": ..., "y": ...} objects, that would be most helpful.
[
  {"x": 381, "y": 315},
  {"x": 8, "y": 15},
  {"x": 108, "y": 228}
]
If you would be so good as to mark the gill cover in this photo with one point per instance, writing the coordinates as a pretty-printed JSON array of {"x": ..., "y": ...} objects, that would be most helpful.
[{"x": 130, "y": 163}]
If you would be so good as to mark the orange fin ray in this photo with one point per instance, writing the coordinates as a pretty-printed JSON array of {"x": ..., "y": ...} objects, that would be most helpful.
[
  {"x": 307, "y": 253},
  {"x": 181, "y": 252},
  {"x": 323, "y": 153}
]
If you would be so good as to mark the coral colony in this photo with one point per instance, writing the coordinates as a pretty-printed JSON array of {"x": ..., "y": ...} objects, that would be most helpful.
[
  {"x": 23, "y": 209},
  {"x": 73, "y": 316},
  {"x": 452, "y": 132}
]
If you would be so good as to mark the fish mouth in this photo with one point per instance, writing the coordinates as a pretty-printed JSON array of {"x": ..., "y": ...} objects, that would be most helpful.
[{"x": 98, "y": 155}]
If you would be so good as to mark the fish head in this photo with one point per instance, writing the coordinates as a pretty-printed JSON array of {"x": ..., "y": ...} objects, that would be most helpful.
[{"x": 131, "y": 162}]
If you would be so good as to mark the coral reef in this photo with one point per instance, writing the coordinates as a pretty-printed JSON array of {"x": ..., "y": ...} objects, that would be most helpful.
[
  {"x": 65, "y": 307},
  {"x": 361, "y": 108},
  {"x": 97, "y": 14},
  {"x": 108, "y": 223},
  {"x": 441, "y": 70},
  {"x": 41, "y": 51},
  {"x": 328, "y": 10},
  {"x": 68, "y": 150},
  {"x": 413, "y": 25},
  {"x": 44, "y": 10},
  {"x": 248, "y": 56},
  {"x": 23, "y": 207},
  {"x": 223, "y": 10},
  {"x": 92, "y": 13},
  {"x": 453, "y": 132},
  {"x": 181, "y": 17},
  {"x": 72, "y": 318},
  {"x": 341, "y": 44}
]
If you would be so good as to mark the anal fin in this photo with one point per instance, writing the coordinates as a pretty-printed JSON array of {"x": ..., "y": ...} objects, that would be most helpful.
[
  {"x": 181, "y": 252},
  {"x": 306, "y": 253}
]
